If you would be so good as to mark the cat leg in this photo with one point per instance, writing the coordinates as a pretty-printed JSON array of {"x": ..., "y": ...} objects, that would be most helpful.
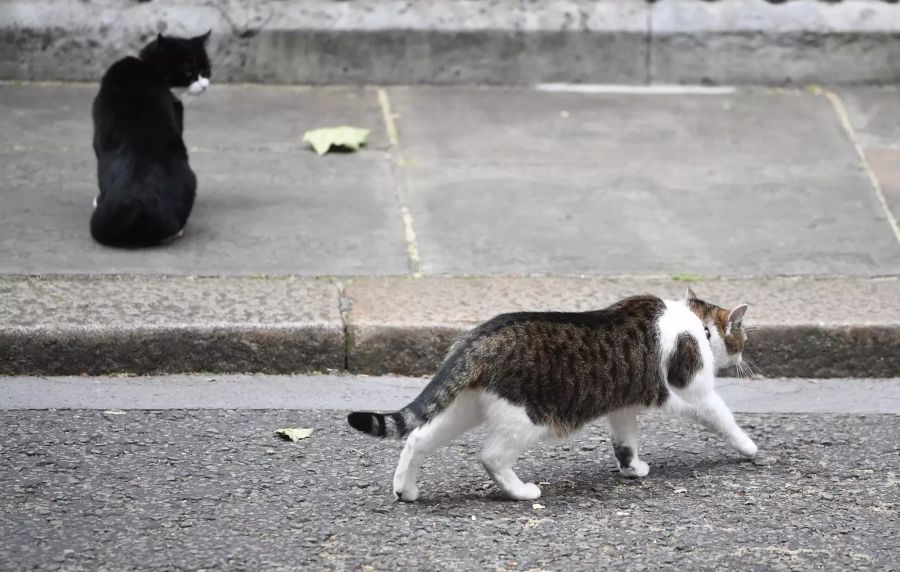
[
  {"x": 510, "y": 432},
  {"x": 625, "y": 435},
  {"x": 463, "y": 414},
  {"x": 708, "y": 409}
]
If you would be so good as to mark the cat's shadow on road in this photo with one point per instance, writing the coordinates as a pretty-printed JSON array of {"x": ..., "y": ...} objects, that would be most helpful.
[{"x": 599, "y": 486}]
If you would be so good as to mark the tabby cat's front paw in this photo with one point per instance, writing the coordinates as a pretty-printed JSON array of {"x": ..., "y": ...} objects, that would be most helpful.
[
  {"x": 528, "y": 491},
  {"x": 406, "y": 494},
  {"x": 745, "y": 446},
  {"x": 636, "y": 469}
]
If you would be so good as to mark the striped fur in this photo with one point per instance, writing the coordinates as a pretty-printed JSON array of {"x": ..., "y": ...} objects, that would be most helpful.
[
  {"x": 449, "y": 380},
  {"x": 565, "y": 368}
]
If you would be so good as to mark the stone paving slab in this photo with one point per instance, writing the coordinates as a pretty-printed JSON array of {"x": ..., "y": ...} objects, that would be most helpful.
[
  {"x": 875, "y": 114},
  {"x": 496, "y": 181},
  {"x": 158, "y": 324},
  {"x": 266, "y": 204},
  {"x": 217, "y": 489},
  {"x": 256, "y": 213},
  {"x": 833, "y": 327},
  {"x": 509, "y": 181},
  {"x": 355, "y": 392},
  {"x": 885, "y": 164}
]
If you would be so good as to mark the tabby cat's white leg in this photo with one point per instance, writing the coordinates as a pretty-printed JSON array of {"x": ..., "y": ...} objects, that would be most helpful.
[
  {"x": 709, "y": 410},
  {"x": 625, "y": 440},
  {"x": 463, "y": 414},
  {"x": 510, "y": 432}
]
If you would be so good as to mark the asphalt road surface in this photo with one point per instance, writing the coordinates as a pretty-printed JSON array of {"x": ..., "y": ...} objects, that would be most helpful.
[{"x": 216, "y": 489}]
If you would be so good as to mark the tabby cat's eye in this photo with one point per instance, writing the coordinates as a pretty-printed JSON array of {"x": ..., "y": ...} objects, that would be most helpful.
[{"x": 708, "y": 335}]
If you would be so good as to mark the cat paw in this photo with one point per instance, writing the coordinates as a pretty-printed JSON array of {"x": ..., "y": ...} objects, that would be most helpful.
[
  {"x": 528, "y": 491},
  {"x": 406, "y": 494},
  {"x": 745, "y": 446},
  {"x": 637, "y": 469}
]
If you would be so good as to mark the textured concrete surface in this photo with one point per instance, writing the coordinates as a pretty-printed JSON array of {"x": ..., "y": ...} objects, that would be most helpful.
[
  {"x": 470, "y": 41},
  {"x": 802, "y": 327},
  {"x": 227, "y": 117},
  {"x": 256, "y": 213},
  {"x": 216, "y": 489},
  {"x": 885, "y": 164},
  {"x": 495, "y": 181},
  {"x": 156, "y": 324},
  {"x": 266, "y": 204},
  {"x": 518, "y": 181},
  {"x": 354, "y": 392},
  {"x": 875, "y": 114},
  {"x": 796, "y": 42}
]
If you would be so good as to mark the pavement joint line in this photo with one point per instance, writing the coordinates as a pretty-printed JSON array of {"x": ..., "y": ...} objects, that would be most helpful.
[
  {"x": 409, "y": 231},
  {"x": 344, "y": 305},
  {"x": 841, "y": 111}
]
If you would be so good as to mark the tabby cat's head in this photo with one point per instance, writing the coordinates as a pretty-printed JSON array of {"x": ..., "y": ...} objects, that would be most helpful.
[
  {"x": 182, "y": 62},
  {"x": 724, "y": 329}
]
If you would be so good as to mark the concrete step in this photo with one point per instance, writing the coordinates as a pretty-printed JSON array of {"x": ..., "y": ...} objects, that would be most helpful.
[
  {"x": 802, "y": 326},
  {"x": 469, "y": 41}
]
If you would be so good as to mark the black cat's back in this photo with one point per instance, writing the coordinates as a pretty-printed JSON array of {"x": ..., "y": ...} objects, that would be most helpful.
[{"x": 147, "y": 187}]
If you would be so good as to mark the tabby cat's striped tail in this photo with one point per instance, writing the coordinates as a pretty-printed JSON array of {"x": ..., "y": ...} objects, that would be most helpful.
[
  {"x": 437, "y": 395},
  {"x": 382, "y": 424}
]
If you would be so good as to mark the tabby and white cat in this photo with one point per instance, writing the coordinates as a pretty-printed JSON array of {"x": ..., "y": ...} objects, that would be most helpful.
[
  {"x": 533, "y": 375},
  {"x": 147, "y": 187}
]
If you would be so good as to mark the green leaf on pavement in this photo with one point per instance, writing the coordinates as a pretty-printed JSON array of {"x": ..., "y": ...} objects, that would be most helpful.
[
  {"x": 340, "y": 138},
  {"x": 295, "y": 433}
]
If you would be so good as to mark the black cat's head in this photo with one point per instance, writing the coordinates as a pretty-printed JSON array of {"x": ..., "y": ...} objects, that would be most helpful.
[{"x": 182, "y": 62}]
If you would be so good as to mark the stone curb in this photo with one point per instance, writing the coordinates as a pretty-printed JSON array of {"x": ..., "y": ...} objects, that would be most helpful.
[
  {"x": 145, "y": 325},
  {"x": 804, "y": 327},
  {"x": 469, "y": 41}
]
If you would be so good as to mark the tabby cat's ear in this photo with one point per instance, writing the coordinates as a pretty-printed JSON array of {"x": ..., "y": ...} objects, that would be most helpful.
[
  {"x": 689, "y": 295},
  {"x": 737, "y": 315}
]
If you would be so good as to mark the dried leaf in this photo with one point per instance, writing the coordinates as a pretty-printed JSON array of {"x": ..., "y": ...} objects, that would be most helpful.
[
  {"x": 295, "y": 433},
  {"x": 342, "y": 138}
]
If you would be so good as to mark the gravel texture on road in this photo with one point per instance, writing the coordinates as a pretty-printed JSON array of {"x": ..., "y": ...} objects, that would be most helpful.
[{"x": 216, "y": 489}]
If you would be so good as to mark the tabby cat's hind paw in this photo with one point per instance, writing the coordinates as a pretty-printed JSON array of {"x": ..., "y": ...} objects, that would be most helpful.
[{"x": 636, "y": 469}]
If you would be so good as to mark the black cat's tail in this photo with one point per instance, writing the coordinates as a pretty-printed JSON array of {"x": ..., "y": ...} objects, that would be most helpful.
[
  {"x": 450, "y": 379},
  {"x": 113, "y": 222}
]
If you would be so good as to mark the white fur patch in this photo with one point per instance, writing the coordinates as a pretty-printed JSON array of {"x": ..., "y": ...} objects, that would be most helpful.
[{"x": 198, "y": 86}]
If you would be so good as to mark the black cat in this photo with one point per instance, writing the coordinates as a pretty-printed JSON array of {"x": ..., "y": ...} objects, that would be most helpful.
[{"x": 147, "y": 187}]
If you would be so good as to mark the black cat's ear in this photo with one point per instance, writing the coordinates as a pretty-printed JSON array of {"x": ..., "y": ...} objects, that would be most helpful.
[
  {"x": 160, "y": 38},
  {"x": 203, "y": 37}
]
